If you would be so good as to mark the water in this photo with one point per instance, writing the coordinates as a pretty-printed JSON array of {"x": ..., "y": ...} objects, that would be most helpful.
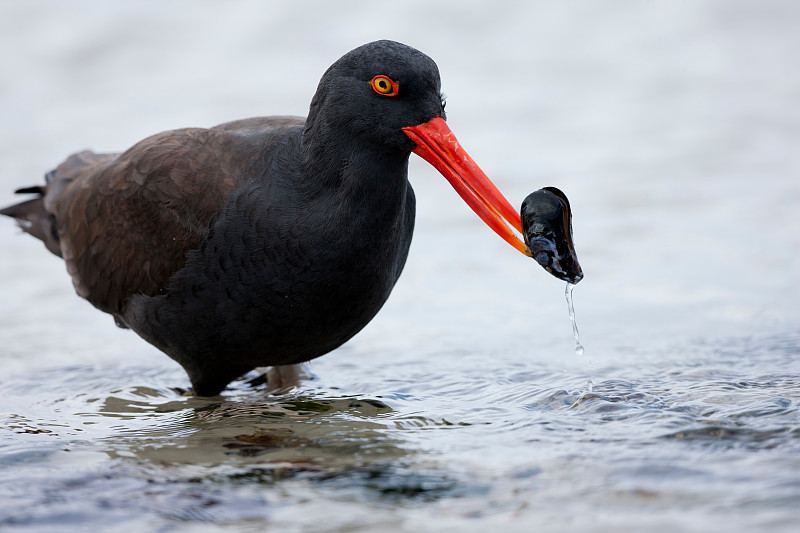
[
  {"x": 571, "y": 307},
  {"x": 578, "y": 346},
  {"x": 672, "y": 127}
]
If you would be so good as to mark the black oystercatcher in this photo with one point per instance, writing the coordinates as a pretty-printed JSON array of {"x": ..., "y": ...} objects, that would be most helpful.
[{"x": 264, "y": 241}]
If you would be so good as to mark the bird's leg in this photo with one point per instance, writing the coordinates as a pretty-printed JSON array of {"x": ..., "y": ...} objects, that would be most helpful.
[
  {"x": 211, "y": 380},
  {"x": 281, "y": 379}
]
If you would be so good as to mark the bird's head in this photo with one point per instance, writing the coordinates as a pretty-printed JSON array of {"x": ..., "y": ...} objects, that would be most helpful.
[{"x": 388, "y": 95}]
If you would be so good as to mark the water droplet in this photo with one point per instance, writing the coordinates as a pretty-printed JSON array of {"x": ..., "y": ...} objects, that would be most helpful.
[{"x": 568, "y": 294}]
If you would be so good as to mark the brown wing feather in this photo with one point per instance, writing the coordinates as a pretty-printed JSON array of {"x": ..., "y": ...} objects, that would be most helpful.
[{"x": 127, "y": 222}]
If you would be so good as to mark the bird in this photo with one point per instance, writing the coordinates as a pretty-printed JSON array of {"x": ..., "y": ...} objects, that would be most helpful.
[{"x": 265, "y": 241}]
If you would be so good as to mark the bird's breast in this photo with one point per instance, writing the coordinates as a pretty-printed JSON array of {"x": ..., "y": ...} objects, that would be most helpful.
[{"x": 280, "y": 283}]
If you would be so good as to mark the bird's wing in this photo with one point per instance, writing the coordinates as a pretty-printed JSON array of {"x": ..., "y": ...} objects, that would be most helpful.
[{"x": 126, "y": 223}]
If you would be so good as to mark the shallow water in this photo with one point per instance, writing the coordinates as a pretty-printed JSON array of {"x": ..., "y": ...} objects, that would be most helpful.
[{"x": 673, "y": 129}]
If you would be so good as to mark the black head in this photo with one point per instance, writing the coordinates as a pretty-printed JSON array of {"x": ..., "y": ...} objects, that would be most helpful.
[
  {"x": 385, "y": 97},
  {"x": 547, "y": 225},
  {"x": 349, "y": 102}
]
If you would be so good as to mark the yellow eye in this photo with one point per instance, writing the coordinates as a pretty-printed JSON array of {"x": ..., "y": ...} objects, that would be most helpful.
[{"x": 384, "y": 85}]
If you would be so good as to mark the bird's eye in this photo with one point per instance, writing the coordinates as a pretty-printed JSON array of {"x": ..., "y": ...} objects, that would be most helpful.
[{"x": 385, "y": 85}]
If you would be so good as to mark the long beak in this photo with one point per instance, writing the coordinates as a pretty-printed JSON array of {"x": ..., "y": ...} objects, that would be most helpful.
[{"x": 437, "y": 145}]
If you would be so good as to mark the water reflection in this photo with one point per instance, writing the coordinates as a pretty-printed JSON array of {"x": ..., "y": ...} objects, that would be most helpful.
[
  {"x": 305, "y": 427},
  {"x": 197, "y": 459}
]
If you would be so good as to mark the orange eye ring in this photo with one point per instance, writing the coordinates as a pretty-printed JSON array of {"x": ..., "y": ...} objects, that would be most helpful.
[{"x": 385, "y": 86}]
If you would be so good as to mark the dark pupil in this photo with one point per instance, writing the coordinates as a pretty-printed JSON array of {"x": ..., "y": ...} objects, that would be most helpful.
[{"x": 383, "y": 85}]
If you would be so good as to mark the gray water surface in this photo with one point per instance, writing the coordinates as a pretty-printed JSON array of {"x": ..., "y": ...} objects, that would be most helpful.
[{"x": 674, "y": 129}]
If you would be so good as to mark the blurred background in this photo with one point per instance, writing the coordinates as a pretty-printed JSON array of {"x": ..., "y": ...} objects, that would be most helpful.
[{"x": 673, "y": 127}]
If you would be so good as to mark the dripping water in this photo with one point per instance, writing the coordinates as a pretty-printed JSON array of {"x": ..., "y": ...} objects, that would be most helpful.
[
  {"x": 568, "y": 294},
  {"x": 578, "y": 345}
]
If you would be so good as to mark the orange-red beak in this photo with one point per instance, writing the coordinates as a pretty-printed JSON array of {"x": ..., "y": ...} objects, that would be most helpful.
[{"x": 437, "y": 145}]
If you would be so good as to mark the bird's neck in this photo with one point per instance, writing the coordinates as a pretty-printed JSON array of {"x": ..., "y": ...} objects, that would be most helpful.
[
  {"x": 350, "y": 169},
  {"x": 360, "y": 196}
]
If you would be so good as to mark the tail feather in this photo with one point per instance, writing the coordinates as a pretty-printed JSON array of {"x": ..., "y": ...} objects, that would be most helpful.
[
  {"x": 36, "y": 216},
  {"x": 34, "y": 219},
  {"x": 36, "y": 189}
]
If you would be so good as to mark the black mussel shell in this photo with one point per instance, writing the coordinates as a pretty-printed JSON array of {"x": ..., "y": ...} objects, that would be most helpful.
[{"x": 547, "y": 225}]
